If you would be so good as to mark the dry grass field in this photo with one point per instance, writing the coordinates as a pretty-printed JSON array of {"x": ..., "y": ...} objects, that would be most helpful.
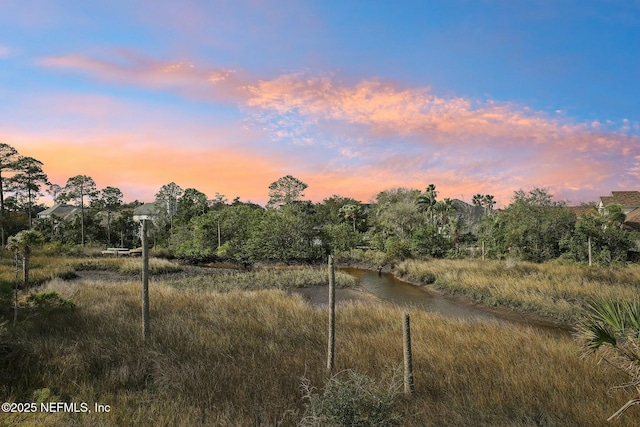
[
  {"x": 223, "y": 356},
  {"x": 558, "y": 291}
]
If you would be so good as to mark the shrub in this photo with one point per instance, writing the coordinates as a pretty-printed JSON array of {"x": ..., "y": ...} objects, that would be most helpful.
[
  {"x": 352, "y": 399},
  {"x": 397, "y": 248},
  {"x": 46, "y": 303}
]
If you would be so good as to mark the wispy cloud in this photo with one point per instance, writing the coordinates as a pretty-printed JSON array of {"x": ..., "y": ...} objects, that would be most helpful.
[
  {"x": 387, "y": 133},
  {"x": 4, "y": 51},
  {"x": 126, "y": 67}
]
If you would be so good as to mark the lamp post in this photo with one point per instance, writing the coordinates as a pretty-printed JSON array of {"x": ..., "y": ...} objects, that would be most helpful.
[{"x": 145, "y": 275}]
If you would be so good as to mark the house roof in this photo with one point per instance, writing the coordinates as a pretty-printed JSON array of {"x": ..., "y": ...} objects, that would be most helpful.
[
  {"x": 60, "y": 210},
  {"x": 625, "y": 198},
  {"x": 582, "y": 210},
  {"x": 146, "y": 209},
  {"x": 632, "y": 220}
]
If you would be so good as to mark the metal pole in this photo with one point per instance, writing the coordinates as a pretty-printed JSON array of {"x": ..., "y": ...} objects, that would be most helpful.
[
  {"x": 589, "y": 251},
  {"x": 332, "y": 317},
  {"x": 145, "y": 282}
]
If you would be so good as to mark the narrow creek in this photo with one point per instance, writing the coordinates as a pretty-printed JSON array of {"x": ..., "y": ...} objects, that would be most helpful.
[{"x": 390, "y": 289}]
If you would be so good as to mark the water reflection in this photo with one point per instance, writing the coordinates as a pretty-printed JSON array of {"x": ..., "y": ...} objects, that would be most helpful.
[{"x": 390, "y": 289}]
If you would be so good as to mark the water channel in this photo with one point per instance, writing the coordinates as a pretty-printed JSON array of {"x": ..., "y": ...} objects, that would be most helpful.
[{"x": 395, "y": 291}]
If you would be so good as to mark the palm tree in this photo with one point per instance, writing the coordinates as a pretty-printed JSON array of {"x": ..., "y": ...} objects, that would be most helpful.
[
  {"x": 445, "y": 210},
  {"x": 478, "y": 200},
  {"x": 350, "y": 212},
  {"x": 613, "y": 329},
  {"x": 488, "y": 203},
  {"x": 427, "y": 201},
  {"x": 22, "y": 244}
]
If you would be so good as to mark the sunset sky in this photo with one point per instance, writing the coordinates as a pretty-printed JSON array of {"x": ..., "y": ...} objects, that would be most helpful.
[{"x": 351, "y": 97}]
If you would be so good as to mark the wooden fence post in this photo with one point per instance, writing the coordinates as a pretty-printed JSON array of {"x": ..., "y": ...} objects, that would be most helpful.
[
  {"x": 332, "y": 317},
  {"x": 408, "y": 362},
  {"x": 145, "y": 282},
  {"x": 15, "y": 291}
]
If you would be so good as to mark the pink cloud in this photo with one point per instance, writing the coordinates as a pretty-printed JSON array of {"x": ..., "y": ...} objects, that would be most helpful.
[
  {"x": 126, "y": 67},
  {"x": 477, "y": 144}
]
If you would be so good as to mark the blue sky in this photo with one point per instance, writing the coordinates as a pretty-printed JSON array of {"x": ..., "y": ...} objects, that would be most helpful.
[{"x": 351, "y": 97}]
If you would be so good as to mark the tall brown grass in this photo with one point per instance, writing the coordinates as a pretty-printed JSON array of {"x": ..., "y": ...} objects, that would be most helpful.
[
  {"x": 238, "y": 359},
  {"x": 560, "y": 291},
  {"x": 263, "y": 278}
]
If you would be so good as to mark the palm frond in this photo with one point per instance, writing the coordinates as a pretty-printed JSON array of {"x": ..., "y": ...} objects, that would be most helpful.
[
  {"x": 608, "y": 312},
  {"x": 597, "y": 334}
]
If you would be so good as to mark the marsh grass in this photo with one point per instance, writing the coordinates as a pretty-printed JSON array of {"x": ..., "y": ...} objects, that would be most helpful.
[
  {"x": 238, "y": 359},
  {"x": 128, "y": 266},
  {"x": 44, "y": 268},
  {"x": 263, "y": 278},
  {"x": 560, "y": 291}
]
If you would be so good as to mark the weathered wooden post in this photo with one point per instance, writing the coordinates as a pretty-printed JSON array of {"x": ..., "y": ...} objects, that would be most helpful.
[
  {"x": 15, "y": 291},
  {"x": 143, "y": 218},
  {"x": 483, "y": 250},
  {"x": 332, "y": 317},
  {"x": 589, "y": 244},
  {"x": 408, "y": 362},
  {"x": 145, "y": 282}
]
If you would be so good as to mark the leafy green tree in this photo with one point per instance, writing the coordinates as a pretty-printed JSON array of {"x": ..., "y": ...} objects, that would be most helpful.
[
  {"x": 286, "y": 234},
  {"x": 340, "y": 237},
  {"x": 231, "y": 226},
  {"x": 234, "y": 225},
  {"x": 609, "y": 242},
  {"x": 328, "y": 211},
  {"x": 397, "y": 248},
  {"x": 124, "y": 226},
  {"x": 533, "y": 225},
  {"x": 54, "y": 191},
  {"x": 109, "y": 199},
  {"x": 29, "y": 179},
  {"x": 167, "y": 202},
  {"x": 8, "y": 158},
  {"x": 614, "y": 215},
  {"x": 192, "y": 203},
  {"x": 428, "y": 241},
  {"x": 285, "y": 190},
  {"x": 77, "y": 188},
  {"x": 219, "y": 201},
  {"x": 396, "y": 212}
]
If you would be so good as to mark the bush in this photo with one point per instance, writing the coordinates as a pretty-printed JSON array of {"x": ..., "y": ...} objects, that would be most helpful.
[
  {"x": 47, "y": 303},
  {"x": 397, "y": 249},
  {"x": 352, "y": 399},
  {"x": 61, "y": 249}
]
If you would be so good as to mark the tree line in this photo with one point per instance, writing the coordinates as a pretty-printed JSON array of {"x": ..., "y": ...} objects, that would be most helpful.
[{"x": 399, "y": 222}]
